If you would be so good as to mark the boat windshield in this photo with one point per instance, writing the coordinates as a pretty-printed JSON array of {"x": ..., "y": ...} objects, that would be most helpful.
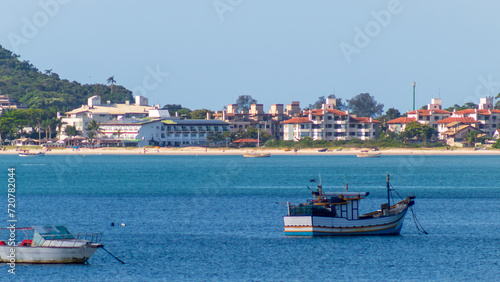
[{"x": 50, "y": 232}]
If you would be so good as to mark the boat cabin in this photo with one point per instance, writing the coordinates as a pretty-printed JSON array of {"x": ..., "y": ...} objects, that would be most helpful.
[{"x": 346, "y": 204}]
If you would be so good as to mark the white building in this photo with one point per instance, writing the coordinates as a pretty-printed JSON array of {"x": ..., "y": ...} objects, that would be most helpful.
[
  {"x": 161, "y": 132},
  {"x": 430, "y": 117},
  {"x": 487, "y": 118},
  {"x": 101, "y": 113},
  {"x": 330, "y": 124},
  {"x": 133, "y": 132}
]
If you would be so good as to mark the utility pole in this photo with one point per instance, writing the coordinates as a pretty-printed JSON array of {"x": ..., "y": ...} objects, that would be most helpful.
[{"x": 414, "y": 95}]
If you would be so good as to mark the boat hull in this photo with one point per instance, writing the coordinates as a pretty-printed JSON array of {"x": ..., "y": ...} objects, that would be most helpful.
[
  {"x": 374, "y": 155},
  {"x": 256, "y": 155},
  {"x": 44, "y": 255},
  {"x": 331, "y": 226}
]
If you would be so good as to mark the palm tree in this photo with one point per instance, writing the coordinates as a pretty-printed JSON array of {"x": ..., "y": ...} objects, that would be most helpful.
[
  {"x": 93, "y": 126},
  {"x": 118, "y": 133},
  {"x": 93, "y": 129},
  {"x": 71, "y": 131},
  {"x": 90, "y": 136},
  {"x": 112, "y": 81}
]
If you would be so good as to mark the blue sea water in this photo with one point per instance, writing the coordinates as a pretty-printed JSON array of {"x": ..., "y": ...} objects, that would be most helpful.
[{"x": 220, "y": 217}]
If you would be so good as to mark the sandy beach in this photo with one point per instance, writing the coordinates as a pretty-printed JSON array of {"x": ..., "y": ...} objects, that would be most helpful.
[{"x": 225, "y": 151}]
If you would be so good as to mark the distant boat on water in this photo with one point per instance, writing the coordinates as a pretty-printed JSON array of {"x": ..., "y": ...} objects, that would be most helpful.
[
  {"x": 51, "y": 244},
  {"x": 368, "y": 154},
  {"x": 26, "y": 153},
  {"x": 256, "y": 155}
]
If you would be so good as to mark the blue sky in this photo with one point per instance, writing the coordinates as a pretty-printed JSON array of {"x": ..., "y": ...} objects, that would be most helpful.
[{"x": 205, "y": 53}]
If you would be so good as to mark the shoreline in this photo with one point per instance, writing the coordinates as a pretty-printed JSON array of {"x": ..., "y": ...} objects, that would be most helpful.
[{"x": 223, "y": 151}]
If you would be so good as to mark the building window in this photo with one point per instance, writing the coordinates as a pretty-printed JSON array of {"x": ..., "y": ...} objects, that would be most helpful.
[{"x": 329, "y": 117}]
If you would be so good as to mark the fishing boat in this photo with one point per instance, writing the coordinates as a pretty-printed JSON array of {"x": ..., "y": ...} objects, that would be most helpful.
[
  {"x": 256, "y": 155},
  {"x": 50, "y": 244},
  {"x": 26, "y": 153},
  {"x": 368, "y": 154},
  {"x": 337, "y": 213},
  {"x": 323, "y": 150}
]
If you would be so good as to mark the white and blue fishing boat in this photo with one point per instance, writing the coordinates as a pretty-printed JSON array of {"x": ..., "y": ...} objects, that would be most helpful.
[{"x": 337, "y": 213}]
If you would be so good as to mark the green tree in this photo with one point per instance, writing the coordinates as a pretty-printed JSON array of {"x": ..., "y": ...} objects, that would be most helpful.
[
  {"x": 419, "y": 131},
  {"x": 173, "y": 108},
  {"x": 244, "y": 102},
  {"x": 90, "y": 137},
  {"x": 364, "y": 105},
  {"x": 93, "y": 129},
  {"x": 497, "y": 144},
  {"x": 471, "y": 138},
  {"x": 468, "y": 105},
  {"x": 71, "y": 131},
  {"x": 392, "y": 114},
  {"x": 322, "y": 100}
]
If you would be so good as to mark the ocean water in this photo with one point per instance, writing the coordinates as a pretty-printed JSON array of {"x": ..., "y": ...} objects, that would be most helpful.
[{"x": 220, "y": 217}]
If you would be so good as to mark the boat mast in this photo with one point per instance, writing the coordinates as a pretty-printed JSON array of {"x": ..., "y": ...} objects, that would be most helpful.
[{"x": 388, "y": 194}]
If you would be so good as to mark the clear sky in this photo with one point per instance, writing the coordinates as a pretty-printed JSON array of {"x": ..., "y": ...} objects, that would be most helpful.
[{"x": 205, "y": 53}]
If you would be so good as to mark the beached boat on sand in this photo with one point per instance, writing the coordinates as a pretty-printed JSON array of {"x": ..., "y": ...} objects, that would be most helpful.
[
  {"x": 51, "y": 244},
  {"x": 337, "y": 213}
]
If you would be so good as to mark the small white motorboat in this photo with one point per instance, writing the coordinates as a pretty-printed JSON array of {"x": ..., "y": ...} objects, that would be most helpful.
[{"x": 50, "y": 244}]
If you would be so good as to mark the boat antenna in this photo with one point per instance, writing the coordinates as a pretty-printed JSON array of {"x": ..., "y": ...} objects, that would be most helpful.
[
  {"x": 346, "y": 184},
  {"x": 388, "y": 193}
]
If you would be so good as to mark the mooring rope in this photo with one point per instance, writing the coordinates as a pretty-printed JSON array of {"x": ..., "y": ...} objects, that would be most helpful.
[
  {"x": 113, "y": 255},
  {"x": 419, "y": 226}
]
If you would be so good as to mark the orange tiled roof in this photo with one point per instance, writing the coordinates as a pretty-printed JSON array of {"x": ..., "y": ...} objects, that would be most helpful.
[
  {"x": 364, "y": 120},
  {"x": 319, "y": 112},
  {"x": 458, "y": 119},
  {"x": 402, "y": 120},
  {"x": 428, "y": 112},
  {"x": 480, "y": 112},
  {"x": 298, "y": 120}
]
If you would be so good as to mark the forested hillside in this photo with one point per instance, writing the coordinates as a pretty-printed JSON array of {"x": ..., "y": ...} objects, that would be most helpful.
[{"x": 44, "y": 89}]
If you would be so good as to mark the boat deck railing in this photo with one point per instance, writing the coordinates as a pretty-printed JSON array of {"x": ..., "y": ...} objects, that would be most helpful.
[{"x": 71, "y": 240}]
